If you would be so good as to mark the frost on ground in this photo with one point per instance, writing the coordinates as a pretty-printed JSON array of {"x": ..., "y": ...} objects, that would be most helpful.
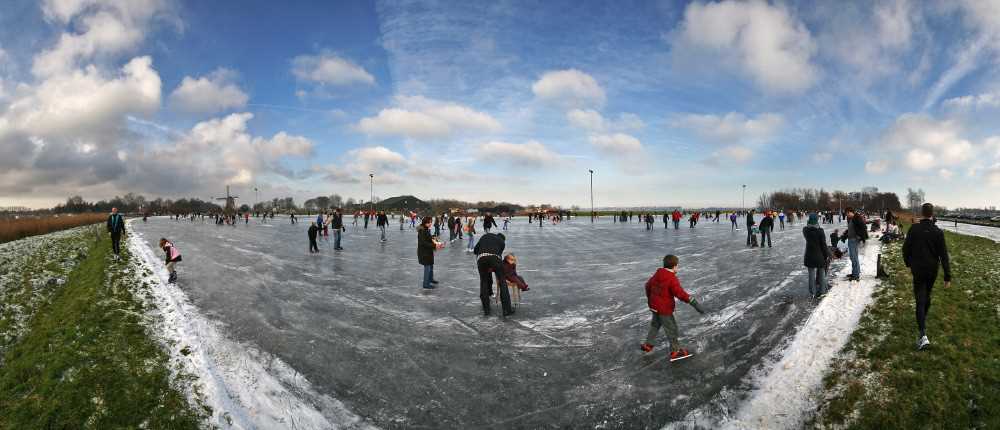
[
  {"x": 31, "y": 269},
  {"x": 246, "y": 389},
  {"x": 785, "y": 390},
  {"x": 992, "y": 233},
  {"x": 358, "y": 326}
]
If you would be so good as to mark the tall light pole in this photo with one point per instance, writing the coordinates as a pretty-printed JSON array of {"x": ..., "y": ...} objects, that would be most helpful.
[
  {"x": 371, "y": 199},
  {"x": 591, "y": 196},
  {"x": 743, "y": 199}
]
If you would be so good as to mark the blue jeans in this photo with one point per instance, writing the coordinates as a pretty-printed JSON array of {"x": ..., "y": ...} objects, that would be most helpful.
[
  {"x": 336, "y": 239},
  {"x": 852, "y": 250},
  {"x": 817, "y": 275},
  {"x": 472, "y": 242},
  {"x": 428, "y": 275}
]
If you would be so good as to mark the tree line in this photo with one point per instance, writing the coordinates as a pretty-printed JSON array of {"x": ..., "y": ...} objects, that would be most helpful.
[{"x": 812, "y": 199}]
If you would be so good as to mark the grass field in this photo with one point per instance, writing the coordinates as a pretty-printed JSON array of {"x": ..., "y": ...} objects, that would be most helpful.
[
  {"x": 881, "y": 381},
  {"x": 84, "y": 358},
  {"x": 14, "y": 229}
]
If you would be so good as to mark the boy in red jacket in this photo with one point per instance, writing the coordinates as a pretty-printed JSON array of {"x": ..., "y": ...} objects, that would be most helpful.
[{"x": 661, "y": 289}]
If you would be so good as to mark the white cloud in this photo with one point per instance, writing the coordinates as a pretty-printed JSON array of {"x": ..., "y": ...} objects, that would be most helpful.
[
  {"x": 993, "y": 175},
  {"x": 422, "y": 118},
  {"x": 946, "y": 174},
  {"x": 329, "y": 69},
  {"x": 762, "y": 40},
  {"x": 978, "y": 101},
  {"x": 925, "y": 143},
  {"x": 569, "y": 88},
  {"x": 376, "y": 159},
  {"x": 209, "y": 94},
  {"x": 618, "y": 144},
  {"x": 531, "y": 153},
  {"x": 731, "y": 153},
  {"x": 587, "y": 119},
  {"x": 877, "y": 166},
  {"x": 732, "y": 127},
  {"x": 104, "y": 28},
  {"x": 592, "y": 120}
]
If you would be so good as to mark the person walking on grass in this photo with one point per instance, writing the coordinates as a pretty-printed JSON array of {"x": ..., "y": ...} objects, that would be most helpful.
[
  {"x": 116, "y": 226},
  {"x": 661, "y": 289},
  {"x": 426, "y": 246},
  {"x": 817, "y": 256},
  {"x": 173, "y": 256},
  {"x": 923, "y": 250}
]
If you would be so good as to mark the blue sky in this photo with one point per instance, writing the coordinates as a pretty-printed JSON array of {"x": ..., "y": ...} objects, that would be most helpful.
[{"x": 671, "y": 103}]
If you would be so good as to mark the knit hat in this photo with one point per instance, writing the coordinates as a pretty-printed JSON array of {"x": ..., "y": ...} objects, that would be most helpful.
[{"x": 813, "y": 219}]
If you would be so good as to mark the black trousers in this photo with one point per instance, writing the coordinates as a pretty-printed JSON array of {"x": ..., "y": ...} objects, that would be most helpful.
[
  {"x": 116, "y": 240},
  {"x": 312, "y": 245},
  {"x": 749, "y": 234},
  {"x": 765, "y": 234},
  {"x": 923, "y": 283},
  {"x": 488, "y": 266}
]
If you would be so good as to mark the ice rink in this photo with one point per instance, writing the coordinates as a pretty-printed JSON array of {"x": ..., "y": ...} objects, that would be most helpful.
[{"x": 358, "y": 326}]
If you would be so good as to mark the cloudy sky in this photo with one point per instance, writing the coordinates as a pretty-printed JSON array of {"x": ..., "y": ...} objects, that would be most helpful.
[{"x": 670, "y": 103}]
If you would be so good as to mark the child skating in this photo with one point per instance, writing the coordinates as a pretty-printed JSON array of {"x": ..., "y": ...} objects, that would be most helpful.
[
  {"x": 173, "y": 256},
  {"x": 661, "y": 289}
]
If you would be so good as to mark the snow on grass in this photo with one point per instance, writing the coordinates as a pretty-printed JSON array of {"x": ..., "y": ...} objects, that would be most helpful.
[
  {"x": 785, "y": 392},
  {"x": 243, "y": 391},
  {"x": 992, "y": 233}
]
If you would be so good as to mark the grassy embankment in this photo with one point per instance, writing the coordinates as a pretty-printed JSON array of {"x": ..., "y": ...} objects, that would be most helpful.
[
  {"x": 14, "y": 229},
  {"x": 84, "y": 358},
  {"x": 881, "y": 381}
]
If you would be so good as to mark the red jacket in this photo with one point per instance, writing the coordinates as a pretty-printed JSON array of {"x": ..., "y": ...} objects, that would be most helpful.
[
  {"x": 661, "y": 290},
  {"x": 676, "y": 216}
]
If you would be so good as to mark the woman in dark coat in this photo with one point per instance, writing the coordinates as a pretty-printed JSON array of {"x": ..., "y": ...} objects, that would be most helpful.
[
  {"x": 817, "y": 256},
  {"x": 425, "y": 252}
]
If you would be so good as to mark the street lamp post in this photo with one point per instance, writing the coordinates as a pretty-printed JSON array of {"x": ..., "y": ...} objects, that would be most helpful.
[
  {"x": 591, "y": 196},
  {"x": 743, "y": 199},
  {"x": 371, "y": 198}
]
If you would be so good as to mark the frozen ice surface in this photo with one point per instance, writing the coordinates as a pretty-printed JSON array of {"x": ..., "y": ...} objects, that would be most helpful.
[
  {"x": 359, "y": 328},
  {"x": 992, "y": 233}
]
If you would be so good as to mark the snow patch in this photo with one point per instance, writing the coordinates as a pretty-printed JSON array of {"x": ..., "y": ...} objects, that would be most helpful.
[
  {"x": 785, "y": 392},
  {"x": 242, "y": 391}
]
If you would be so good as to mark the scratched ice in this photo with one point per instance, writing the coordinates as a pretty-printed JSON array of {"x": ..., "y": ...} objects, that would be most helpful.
[{"x": 357, "y": 324}]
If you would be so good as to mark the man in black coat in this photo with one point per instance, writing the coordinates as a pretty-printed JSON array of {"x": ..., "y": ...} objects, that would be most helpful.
[
  {"x": 817, "y": 256},
  {"x": 337, "y": 223},
  {"x": 749, "y": 215},
  {"x": 766, "y": 226},
  {"x": 923, "y": 250},
  {"x": 425, "y": 252},
  {"x": 313, "y": 232},
  {"x": 116, "y": 226},
  {"x": 488, "y": 252}
]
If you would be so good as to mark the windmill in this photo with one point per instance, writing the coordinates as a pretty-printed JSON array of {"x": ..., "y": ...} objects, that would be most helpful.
[{"x": 230, "y": 208}]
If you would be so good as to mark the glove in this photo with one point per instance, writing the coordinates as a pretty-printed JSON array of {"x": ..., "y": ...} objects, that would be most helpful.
[{"x": 694, "y": 303}]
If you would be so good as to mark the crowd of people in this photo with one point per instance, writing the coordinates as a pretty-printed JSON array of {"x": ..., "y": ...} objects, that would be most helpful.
[{"x": 924, "y": 250}]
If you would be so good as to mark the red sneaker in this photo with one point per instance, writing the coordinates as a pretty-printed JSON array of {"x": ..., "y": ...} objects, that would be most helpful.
[
  {"x": 646, "y": 347},
  {"x": 679, "y": 354}
]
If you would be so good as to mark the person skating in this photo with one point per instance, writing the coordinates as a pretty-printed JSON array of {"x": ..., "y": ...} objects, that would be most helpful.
[
  {"x": 470, "y": 230},
  {"x": 173, "y": 256},
  {"x": 337, "y": 223},
  {"x": 116, "y": 226},
  {"x": 856, "y": 234},
  {"x": 817, "y": 256},
  {"x": 426, "y": 246},
  {"x": 750, "y": 224},
  {"x": 923, "y": 250},
  {"x": 382, "y": 221},
  {"x": 661, "y": 289},
  {"x": 313, "y": 232},
  {"x": 666, "y": 220},
  {"x": 488, "y": 252},
  {"x": 676, "y": 217},
  {"x": 732, "y": 220},
  {"x": 766, "y": 225},
  {"x": 781, "y": 219},
  {"x": 489, "y": 223}
]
